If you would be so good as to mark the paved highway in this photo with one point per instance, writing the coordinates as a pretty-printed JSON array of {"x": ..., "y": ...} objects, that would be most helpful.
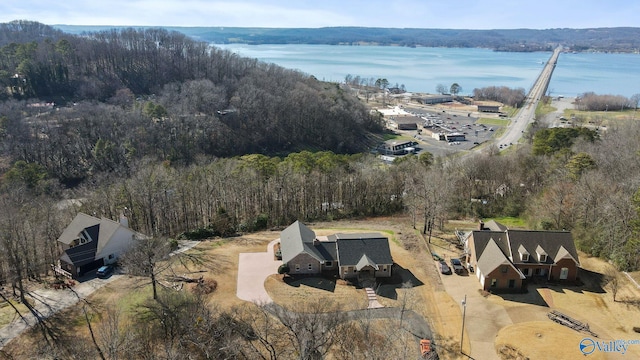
[{"x": 527, "y": 113}]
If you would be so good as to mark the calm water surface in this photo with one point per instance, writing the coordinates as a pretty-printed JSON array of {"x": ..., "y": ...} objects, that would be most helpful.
[{"x": 421, "y": 69}]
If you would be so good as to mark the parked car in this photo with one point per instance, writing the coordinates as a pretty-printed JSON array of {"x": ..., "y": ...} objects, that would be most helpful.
[
  {"x": 456, "y": 264},
  {"x": 104, "y": 271},
  {"x": 444, "y": 268}
]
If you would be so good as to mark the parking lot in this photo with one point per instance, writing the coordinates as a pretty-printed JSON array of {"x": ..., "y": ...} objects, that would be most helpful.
[{"x": 476, "y": 133}]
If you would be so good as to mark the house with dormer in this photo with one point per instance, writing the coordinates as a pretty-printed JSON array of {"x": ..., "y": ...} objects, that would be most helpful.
[
  {"x": 360, "y": 255},
  {"x": 89, "y": 242},
  {"x": 506, "y": 259}
]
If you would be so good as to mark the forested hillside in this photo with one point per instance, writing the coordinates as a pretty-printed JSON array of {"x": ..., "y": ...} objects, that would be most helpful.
[
  {"x": 194, "y": 141},
  {"x": 620, "y": 39},
  {"x": 126, "y": 94}
]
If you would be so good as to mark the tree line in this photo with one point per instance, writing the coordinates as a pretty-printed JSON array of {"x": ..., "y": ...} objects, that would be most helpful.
[{"x": 618, "y": 39}]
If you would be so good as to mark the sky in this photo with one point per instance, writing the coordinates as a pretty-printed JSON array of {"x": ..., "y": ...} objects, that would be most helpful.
[{"x": 442, "y": 14}]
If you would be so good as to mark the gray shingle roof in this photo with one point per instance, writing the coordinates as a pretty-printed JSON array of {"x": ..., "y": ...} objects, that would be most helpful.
[
  {"x": 542, "y": 242},
  {"x": 347, "y": 249},
  {"x": 555, "y": 244},
  {"x": 100, "y": 231},
  {"x": 492, "y": 258},
  {"x": 352, "y": 247},
  {"x": 297, "y": 238}
]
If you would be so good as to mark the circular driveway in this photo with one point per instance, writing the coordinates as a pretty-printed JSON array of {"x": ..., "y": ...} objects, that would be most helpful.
[{"x": 253, "y": 270}]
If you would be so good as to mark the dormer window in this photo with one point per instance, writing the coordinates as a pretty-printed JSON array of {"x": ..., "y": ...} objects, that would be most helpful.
[
  {"x": 542, "y": 255},
  {"x": 524, "y": 254},
  {"x": 82, "y": 239}
]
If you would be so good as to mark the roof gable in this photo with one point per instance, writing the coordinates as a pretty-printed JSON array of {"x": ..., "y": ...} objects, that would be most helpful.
[
  {"x": 564, "y": 254},
  {"x": 296, "y": 239},
  {"x": 100, "y": 231},
  {"x": 364, "y": 262},
  {"x": 79, "y": 223},
  {"x": 492, "y": 258}
]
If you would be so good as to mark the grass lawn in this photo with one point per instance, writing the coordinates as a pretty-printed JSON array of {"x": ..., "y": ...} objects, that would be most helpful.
[
  {"x": 493, "y": 121},
  {"x": 510, "y": 222},
  {"x": 600, "y": 118},
  {"x": 544, "y": 109}
]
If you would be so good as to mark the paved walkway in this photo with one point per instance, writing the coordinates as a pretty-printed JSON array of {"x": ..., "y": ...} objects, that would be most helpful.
[
  {"x": 253, "y": 270},
  {"x": 373, "y": 299}
]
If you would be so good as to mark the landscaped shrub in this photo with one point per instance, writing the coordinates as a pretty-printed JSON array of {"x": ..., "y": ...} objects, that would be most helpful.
[{"x": 283, "y": 269}]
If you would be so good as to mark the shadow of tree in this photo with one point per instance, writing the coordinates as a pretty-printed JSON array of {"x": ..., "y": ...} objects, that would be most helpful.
[{"x": 592, "y": 281}]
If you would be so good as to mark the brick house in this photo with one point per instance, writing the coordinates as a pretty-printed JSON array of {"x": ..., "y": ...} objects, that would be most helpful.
[
  {"x": 350, "y": 255},
  {"x": 506, "y": 259}
]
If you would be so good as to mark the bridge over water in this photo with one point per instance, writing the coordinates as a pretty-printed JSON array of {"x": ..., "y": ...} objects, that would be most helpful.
[{"x": 527, "y": 112}]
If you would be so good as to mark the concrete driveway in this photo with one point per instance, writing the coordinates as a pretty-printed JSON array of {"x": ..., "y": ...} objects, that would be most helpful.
[
  {"x": 253, "y": 270},
  {"x": 483, "y": 318}
]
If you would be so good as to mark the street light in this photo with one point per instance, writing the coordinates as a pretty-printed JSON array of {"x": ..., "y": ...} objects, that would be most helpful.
[{"x": 464, "y": 313}]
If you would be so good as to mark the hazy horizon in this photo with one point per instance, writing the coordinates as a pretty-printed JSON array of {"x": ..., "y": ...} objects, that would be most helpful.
[{"x": 420, "y": 14}]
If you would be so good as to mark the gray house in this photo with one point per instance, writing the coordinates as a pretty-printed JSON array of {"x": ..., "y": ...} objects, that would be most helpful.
[{"x": 351, "y": 255}]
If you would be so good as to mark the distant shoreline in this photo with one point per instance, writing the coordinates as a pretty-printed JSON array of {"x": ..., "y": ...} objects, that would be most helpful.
[{"x": 600, "y": 40}]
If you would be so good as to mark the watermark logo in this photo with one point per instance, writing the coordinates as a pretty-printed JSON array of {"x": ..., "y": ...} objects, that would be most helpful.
[{"x": 589, "y": 346}]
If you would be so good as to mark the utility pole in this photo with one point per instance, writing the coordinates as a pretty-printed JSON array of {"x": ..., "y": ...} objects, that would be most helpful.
[{"x": 464, "y": 313}]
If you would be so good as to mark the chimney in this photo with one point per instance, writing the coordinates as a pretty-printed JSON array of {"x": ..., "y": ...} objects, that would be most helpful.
[{"x": 481, "y": 225}]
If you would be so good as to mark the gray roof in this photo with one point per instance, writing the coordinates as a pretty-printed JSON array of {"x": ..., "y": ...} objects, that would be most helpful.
[
  {"x": 360, "y": 249},
  {"x": 494, "y": 226},
  {"x": 328, "y": 250},
  {"x": 99, "y": 230},
  {"x": 481, "y": 239},
  {"x": 352, "y": 248},
  {"x": 543, "y": 242},
  {"x": 556, "y": 245},
  {"x": 492, "y": 258},
  {"x": 297, "y": 238}
]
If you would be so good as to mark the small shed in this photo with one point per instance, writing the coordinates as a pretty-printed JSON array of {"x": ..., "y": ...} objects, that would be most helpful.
[{"x": 489, "y": 108}]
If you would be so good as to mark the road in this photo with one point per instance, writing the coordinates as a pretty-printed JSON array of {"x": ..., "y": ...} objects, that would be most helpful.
[{"x": 527, "y": 112}]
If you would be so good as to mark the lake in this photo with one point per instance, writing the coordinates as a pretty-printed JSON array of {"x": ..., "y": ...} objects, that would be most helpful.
[{"x": 421, "y": 69}]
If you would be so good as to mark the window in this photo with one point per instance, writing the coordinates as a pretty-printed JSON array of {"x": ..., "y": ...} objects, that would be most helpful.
[
  {"x": 512, "y": 283},
  {"x": 310, "y": 267},
  {"x": 111, "y": 256},
  {"x": 328, "y": 263},
  {"x": 524, "y": 257},
  {"x": 537, "y": 271},
  {"x": 297, "y": 267},
  {"x": 543, "y": 258},
  {"x": 564, "y": 273},
  {"x": 504, "y": 269},
  {"x": 525, "y": 271},
  {"x": 494, "y": 282}
]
